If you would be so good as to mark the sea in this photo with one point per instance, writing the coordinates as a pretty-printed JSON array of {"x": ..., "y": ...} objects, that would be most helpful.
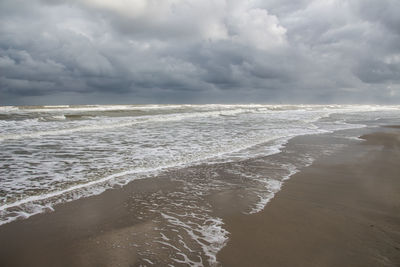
[{"x": 50, "y": 155}]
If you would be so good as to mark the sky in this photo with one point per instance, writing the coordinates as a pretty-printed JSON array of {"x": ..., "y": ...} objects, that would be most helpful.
[{"x": 199, "y": 51}]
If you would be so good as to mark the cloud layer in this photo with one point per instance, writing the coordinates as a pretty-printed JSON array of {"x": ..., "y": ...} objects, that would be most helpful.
[{"x": 192, "y": 51}]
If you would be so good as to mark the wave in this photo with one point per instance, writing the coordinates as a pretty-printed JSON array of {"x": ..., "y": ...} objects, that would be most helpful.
[
  {"x": 109, "y": 124},
  {"x": 6, "y": 109},
  {"x": 281, "y": 107},
  {"x": 120, "y": 122},
  {"x": 151, "y": 170}
]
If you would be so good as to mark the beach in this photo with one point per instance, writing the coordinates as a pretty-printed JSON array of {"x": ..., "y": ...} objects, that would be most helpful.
[
  {"x": 343, "y": 210},
  {"x": 199, "y": 185}
]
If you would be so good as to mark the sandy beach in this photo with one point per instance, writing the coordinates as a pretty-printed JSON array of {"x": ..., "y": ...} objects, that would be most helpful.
[{"x": 343, "y": 210}]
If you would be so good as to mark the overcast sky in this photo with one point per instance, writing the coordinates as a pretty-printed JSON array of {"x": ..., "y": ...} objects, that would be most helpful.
[{"x": 199, "y": 51}]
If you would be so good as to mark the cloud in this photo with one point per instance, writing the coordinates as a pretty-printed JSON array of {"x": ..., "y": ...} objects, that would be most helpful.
[{"x": 144, "y": 51}]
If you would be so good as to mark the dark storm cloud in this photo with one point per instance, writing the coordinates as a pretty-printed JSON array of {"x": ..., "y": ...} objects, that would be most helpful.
[
  {"x": 385, "y": 13},
  {"x": 141, "y": 51}
]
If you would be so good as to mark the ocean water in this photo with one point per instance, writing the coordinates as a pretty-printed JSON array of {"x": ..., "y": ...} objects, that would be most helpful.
[{"x": 56, "y": 154}]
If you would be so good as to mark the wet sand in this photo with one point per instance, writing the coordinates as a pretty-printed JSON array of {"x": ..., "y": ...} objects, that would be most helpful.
[
  {"x": 344, "y": 210},
  {"x": 96, "y": 231}
]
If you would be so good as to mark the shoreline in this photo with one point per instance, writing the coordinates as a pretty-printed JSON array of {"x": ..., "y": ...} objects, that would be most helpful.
[
  {"x": 103, "y": 230},
  {"x": 343, "y": 210}
]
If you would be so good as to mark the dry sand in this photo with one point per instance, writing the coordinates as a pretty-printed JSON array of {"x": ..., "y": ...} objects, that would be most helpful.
[{"x": 341, "y": 211}]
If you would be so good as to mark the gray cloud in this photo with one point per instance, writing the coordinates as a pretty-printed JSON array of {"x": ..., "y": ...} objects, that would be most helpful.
[{"x": 153, "y": 51}]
